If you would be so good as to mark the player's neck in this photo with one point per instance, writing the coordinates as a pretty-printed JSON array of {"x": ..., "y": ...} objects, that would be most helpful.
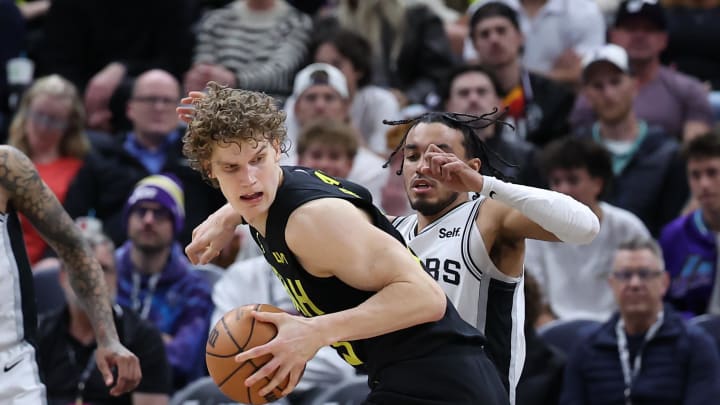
[
  {"x": 149, "y": 263},
  {"x": 80, "y": 327}
]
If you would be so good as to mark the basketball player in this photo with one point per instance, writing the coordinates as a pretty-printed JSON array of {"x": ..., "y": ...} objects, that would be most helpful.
[
  {"x": 341, "y": 261},
  {"x": 22, "y": 190},
  {"x": 475, "y": 248}
]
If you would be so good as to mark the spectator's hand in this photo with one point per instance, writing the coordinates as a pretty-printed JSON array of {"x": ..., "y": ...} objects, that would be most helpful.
[
  {"x": 295, "y": 344},
  {"x": 97, "y": 95},
  {"x": 128, "y": 367},
  {"x": 212, "y": 235},
  {"x": 186, "y": 111}
]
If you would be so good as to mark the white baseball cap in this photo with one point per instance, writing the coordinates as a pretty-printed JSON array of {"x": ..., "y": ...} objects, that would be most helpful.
[
  {"x": 610, "y": 53},
  {"x": 320, "y": 74}
]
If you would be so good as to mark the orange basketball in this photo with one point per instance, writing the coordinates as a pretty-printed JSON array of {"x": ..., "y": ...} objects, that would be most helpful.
[{"x": 235, "y": 332}]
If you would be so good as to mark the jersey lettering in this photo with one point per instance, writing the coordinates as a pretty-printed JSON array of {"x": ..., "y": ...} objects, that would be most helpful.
[
  {"x": 331, "y": 181},
  {"x": 345, "y": 350},
  {"x": 280, "y": 257},
  {"x": 449, "y": 272}
]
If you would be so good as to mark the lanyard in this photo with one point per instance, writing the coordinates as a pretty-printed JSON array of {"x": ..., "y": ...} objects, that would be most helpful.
[
  {"x": 143, "y": 308},
  {"x": 628, "y": 374},
  {"x": 84, "y": 376}
]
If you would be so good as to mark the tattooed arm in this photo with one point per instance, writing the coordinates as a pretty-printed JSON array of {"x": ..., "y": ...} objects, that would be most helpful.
[{"x": 29, "y": 195}]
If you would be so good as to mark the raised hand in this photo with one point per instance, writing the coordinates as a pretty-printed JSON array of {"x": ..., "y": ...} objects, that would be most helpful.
[
  {"x": 452, "y": 171},
  {"x": 186, "y": 111}
]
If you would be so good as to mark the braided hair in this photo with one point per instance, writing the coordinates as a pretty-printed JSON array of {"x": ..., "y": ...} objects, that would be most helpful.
[{"x": 467, "y": 124}]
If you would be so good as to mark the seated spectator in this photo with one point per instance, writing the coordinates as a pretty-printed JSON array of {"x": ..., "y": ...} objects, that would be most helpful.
[
  {"x": 49, "y": 128},
  {"x": 321, "y": 92},
  {"x": 648, "y": 173},
  {"x": 571, "y": 276},
  {"x": 154, "y": 145},
  {"x": 329, "y": 146},
  {"x": 101, "y": 47},
  {"x": 369, "y": 104},
  {"x": 690, "y": 242},
  {"x": 410, "y": 50},
  {"x": 557, "y": 34},
  {"x": 155, "y": 279},
  {"x": 66, "y": 342},
  {"x": 662, "y": 360},
  {"x": 252, "y": 44},
  {"x": 666, "y": 98},
  {"x": 537, "y": 106},
  {"x": 252, "y": 281},
  {"x": 473, "y": 89}
]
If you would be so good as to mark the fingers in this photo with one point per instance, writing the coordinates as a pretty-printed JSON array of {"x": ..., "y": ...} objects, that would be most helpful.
[
  {"x": 295, "y": 375},
  {"x": 129, "y": 375},
  {"x": 252, "y": 353},
  {"x": 208, "y": 255},
  {"x": 278, "y": 376},
  {"x": 104, "y": 368},
  {"x": 268, "y": 371}
]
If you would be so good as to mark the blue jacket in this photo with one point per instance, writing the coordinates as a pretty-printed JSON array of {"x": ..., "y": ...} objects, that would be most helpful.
[
  {"x": 690, "y": 256},
  {"x": 680, "y": 365}
]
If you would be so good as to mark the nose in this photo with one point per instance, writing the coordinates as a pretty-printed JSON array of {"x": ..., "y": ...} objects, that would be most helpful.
[
  {"x": 421, "y": 164},
  {"x": 246, "y": 176},
  {"x": 148, "y": 216}
]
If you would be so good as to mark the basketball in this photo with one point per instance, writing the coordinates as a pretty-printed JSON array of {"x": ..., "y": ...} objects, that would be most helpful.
[{"x": 235, "y": 332}]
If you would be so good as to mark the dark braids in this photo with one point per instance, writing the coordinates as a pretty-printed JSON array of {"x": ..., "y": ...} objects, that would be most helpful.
[{"x": 467, "y": 124}]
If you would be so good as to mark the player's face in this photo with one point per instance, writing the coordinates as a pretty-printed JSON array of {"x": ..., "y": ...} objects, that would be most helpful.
[
  {"x": 497, "y": 41},
  {"x": 47, "y": 119},
  {"x": 150, "y": 227},
  {"x": 331, "y": 159},
  {"x": 704, "y": 181},
  {"x": 472, "y": 93},
  {"x": 320, "y": 101},
  {"x": 577, "y": 183},
  {"x": 427, "y": 196},
  {"x": 638, "y": 282},
  {"x": 249, "y": 176},
  {"x": 609, "y": 91}
]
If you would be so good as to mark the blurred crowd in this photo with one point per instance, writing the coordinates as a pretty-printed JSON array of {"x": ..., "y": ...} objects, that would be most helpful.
[{"x": 615, "y": 103}]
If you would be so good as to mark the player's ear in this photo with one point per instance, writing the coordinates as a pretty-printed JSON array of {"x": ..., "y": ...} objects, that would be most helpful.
[{"x": 475, "y": 163}]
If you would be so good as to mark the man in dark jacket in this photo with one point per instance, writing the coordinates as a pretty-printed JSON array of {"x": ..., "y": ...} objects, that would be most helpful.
[
  {"x": 645, "y": 354},
  {"x": 109, "y": 174}
]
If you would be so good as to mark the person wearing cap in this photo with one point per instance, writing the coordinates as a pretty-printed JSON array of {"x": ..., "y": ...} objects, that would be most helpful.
[
  {"x": 156, "y": 280},
  {"x": 321, "y": 92},
  {"x": 645, "y": 353},
  {"x": 666, "y": 98},
  {"x": 648, "y": 174},
  {"x": 66, "y": 341}
]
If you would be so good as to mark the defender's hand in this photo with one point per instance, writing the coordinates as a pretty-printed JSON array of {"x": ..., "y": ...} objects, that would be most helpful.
[
  {"x": 126, "y": 363},
  {"x": 452, "y": 171}
]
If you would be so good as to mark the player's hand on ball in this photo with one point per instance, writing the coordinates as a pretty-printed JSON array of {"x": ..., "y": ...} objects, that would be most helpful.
[
  {"x": 295, "y": 344},
  {"x": 452, "y": 171},
  {"x": 127, "y": 364}
]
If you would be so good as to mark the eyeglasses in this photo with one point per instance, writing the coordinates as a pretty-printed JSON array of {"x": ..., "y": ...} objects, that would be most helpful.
[
  {"x": 159, "y": 213},
  {"x": 153, "y": 100},
  {"x": 642, "y": 274},
  {"x": 47, "y": 121}
]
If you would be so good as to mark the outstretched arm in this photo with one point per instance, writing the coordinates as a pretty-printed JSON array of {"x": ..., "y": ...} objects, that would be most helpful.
[
  {"x": 525, "y": 212},
  {"x": 35, "y": 200}
]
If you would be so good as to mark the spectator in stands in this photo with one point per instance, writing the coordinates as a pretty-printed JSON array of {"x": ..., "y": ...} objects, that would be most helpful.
[
  {"x": 666, "y": 98},
  {"x": 154, "y": 145},
  {"x": 648, "y": 172},
  {"x": 329, "y": 146},
  {"x": 66, "y": 342},
  {"x": 103, "y": 46},
  {"x": 410, "y": 50},
  {"x": 155, "y": 279},
  {"x": 645, "y": 354},
  {"x": 49, "y": 128},
  {"x": 557, "y": 34},
  {"x": 473, "y": 89},
  {"x": 321, "y": 91},
  {"x": 538, "y": 106},
  {"x": 690, "y": 242},
  {"x": 573, "y": 277},
  {"x": 252, "y": 44}
]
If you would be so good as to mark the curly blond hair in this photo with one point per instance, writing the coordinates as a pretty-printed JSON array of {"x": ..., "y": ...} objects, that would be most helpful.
[{"x": 227, "y": 115}]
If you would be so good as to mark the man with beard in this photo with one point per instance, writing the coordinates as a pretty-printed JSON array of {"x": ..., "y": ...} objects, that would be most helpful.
[
  {"x": 156, "y": 280},
  {"x": 475, "y": 247}
]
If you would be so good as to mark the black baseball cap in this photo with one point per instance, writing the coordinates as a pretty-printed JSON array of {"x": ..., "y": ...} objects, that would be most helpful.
[{"x": 651, "y": 10}]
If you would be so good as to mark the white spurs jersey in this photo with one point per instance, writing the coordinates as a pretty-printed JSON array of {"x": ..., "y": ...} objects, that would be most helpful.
[
  {"x": 17, "y": 306},
  {"x": 454, "y": 254}
]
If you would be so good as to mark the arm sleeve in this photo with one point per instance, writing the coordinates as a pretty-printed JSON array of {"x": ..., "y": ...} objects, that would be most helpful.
[{"x": 703, "y": 373}]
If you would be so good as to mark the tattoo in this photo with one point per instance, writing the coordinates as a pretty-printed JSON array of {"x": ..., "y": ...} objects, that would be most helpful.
[{"x": 29, "y": 194}]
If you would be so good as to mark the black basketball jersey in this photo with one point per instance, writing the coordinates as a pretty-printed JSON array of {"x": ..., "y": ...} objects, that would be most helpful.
[{"x": 313, "y": 296}]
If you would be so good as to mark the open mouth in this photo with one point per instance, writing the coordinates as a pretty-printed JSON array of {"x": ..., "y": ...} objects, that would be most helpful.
[
  {"x": 421, "y": 185},
  {"x": 251, "y": 197}
]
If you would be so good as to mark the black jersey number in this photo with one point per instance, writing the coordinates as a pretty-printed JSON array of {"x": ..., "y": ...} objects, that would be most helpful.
[{"x": 449, "y": 273}]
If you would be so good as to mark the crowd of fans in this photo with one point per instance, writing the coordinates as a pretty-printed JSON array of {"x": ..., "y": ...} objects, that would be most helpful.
[{"x": 615, "y": 103}]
